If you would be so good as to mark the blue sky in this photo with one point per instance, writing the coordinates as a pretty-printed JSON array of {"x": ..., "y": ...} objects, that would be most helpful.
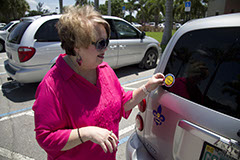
[{"x": 52, "y": 4}]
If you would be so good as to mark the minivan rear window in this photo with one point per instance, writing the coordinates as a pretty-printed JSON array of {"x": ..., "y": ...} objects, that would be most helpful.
[
  {"x": 16, "y": 35},
  {"x": 206, "y": 65},
  {"x": 47, "y": 32}
]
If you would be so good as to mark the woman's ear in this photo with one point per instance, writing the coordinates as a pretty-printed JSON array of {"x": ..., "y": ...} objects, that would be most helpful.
[{"x": 76, "y": 50}]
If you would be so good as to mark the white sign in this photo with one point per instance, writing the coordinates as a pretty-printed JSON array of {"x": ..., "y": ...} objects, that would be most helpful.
[{"x": 187, "y": 6}]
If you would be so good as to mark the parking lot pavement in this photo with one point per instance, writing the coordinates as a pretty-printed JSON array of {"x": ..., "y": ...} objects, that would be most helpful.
[{"x": 17, "y": 137}]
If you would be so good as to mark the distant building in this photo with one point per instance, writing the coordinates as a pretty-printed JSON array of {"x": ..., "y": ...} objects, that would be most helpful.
[{"x": 217, "y": 7}]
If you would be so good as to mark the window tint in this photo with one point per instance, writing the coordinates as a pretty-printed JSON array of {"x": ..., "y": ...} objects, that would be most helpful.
[
  {"x": 12, "y": 27},
  {"x": 113, "y": 31},
  {"x": 206, "y": 64},
  {"x": 125, "y": 31},
  {"x": 47, "y": 32},
  {"x": 16, "y": 35}
]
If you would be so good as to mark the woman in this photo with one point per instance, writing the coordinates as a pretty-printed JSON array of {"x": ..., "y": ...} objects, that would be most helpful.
[{"x": 80, "y": 101}]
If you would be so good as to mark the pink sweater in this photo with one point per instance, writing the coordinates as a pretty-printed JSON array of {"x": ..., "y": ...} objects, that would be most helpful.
[{"x": 65, "y": 100}]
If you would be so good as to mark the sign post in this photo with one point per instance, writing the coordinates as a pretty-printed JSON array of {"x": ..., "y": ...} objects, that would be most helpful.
[
  {"x": 187, "y": 6},
  {"x": 187, "y": 9}
]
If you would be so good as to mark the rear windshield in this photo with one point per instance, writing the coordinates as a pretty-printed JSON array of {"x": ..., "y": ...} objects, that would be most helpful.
[
  {"x": 16, "y": 35},
  {"x": 206, "y": 64}
]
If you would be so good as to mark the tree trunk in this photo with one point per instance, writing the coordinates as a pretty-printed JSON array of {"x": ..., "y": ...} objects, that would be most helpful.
[
  {"x": 167, "y": 34},
  {"x": 61, "y": 6}
]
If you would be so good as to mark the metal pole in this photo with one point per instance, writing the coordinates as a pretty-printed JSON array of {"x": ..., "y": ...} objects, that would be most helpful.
[
  {"x": 109, "y": 7},
  {"x": 61, "y": 6}
]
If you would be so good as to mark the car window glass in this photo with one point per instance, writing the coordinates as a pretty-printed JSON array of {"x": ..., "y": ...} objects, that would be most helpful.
[
  {"x": 113, "y": 31},
  {"x": 6, "y": 27},
  {"x": 125, "y": 31},
  {"x": 16, "y": 35},
  {"x": 12, "y": 27},
  {"x": 47, "y": 32},
  {"x": 206, "y": 67}
]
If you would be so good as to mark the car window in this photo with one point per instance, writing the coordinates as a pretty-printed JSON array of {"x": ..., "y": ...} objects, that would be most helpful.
[
  {"x": 206, "y": 67},
  {"x": 47, "y": 32},
  {"x": 6, "y": 27},
  {"x": 12, "y": 27},
  {"x": 125, "y": 31},
  {"x": 113, "y": 31},
  {"x": 16, "y": 35}
]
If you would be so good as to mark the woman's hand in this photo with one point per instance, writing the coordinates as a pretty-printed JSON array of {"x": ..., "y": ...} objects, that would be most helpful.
[
  {"x": 105, "y": 138},
  {"x": 156, "y": 80}
]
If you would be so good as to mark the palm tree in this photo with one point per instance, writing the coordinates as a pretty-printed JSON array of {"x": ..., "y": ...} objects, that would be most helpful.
[
  {"x": 167, "y": 33},
  {"x": 131, "y": 6},
  {"x": 198, "y": 9},
  {"x": 155, "y": 7},
  {"x": 142, "y": 14}
]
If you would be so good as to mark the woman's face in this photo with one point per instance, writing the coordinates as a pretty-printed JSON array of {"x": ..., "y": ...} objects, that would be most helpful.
[{"x": 91, "y": 57}]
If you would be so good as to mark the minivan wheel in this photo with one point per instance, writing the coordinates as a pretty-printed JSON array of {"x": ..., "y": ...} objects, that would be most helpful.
[
  {"x": 150, "y": 59},
  {"x": 2, "y": 46}
]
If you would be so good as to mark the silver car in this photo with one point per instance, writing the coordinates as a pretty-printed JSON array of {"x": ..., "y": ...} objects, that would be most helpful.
[
  {"x": 33, "y": 47},
  {"x": 5, "y": 31},
  {"x": 196, "y": 114}
]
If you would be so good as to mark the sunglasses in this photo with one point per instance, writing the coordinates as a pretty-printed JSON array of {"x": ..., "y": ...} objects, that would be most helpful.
[{"x": 101, "y": 44}]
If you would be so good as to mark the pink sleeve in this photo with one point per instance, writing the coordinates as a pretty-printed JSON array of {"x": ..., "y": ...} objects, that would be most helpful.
[
  {"x": 50, "y": 121},
  {"x": 126, "y": 97}
]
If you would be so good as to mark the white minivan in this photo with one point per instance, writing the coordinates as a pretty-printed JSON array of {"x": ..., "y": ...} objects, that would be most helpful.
[
  {"x": 33, "y": 47},
  {"x": 196, "y": 114}
]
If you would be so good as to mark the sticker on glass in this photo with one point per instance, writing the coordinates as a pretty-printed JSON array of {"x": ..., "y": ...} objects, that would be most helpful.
[{"x": 169, "y": 80}]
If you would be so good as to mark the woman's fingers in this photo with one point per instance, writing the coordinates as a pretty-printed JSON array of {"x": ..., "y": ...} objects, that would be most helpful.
[
  {"x": 105, "y": 138},
  {"x": 114, "y": 140},
  {"x": 103, "y": 147},
  {"x": 109, "y": 145}
]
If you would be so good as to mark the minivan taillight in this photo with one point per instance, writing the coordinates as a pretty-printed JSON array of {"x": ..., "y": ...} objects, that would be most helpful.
[{"x": 25, "y": 53}]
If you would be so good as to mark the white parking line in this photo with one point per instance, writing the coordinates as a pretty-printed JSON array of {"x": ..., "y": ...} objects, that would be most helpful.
[
  {"x": 30, "y": 113},
  {"x": 2, "y": 73},
  {"x": 13, "y": 155},
  {"x": 129, "y": 88},
  {"x": 136, "y": 82},
  {"x": 127, "y": 129}
]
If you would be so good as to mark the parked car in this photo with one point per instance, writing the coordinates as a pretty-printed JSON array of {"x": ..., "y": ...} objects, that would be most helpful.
[
  {"x": 161, "y": 25},
  {"x": 33, "y": 47},
  {"x": 196, "y": 114},
  {"x": 4, "y": 32},
  {"x": 176, "y": 26},
  {"x": 2, "y": 25},
  {"x": 136, "y": 24}
]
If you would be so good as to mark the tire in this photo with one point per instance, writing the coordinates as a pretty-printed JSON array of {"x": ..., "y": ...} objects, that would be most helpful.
[
  {"x": 2, "y": 47},
  {"x": 150, "y": 59}
]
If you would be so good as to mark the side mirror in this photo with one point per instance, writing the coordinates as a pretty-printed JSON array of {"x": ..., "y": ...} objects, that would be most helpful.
[{"x": 143, "y": 34}]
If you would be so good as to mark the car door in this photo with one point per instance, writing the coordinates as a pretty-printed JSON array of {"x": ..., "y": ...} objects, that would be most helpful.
[
  {"x": 111, "y": 55},
  {"x": 201, "y": 109},
  {"x": 131, "y": 46}
]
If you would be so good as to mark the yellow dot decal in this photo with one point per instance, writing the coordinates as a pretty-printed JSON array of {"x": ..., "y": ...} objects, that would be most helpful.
[{"x": 169, "y": 80}]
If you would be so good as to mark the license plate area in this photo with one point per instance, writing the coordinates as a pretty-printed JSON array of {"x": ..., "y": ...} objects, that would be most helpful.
[{"x": 210, "y": 152}]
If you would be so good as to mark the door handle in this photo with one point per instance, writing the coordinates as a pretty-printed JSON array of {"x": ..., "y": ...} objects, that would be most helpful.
[
  {"x": 113, "y": 46},
  {"x": 122, "y": 46}
]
